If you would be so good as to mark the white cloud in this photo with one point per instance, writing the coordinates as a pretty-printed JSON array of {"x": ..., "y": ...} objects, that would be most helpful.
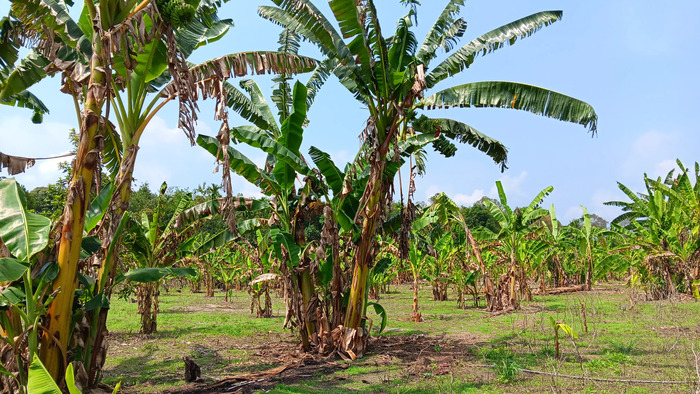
[
  {"x": 512, "y": 186},
  {"x": 468, "y": 199},
  {"x": 431, "y": 191},
  {"x": 341, "y": 157},
  {"x": 598, "y": 207},
  {"x": 574, "y": 212},
  {"x": 240, "y": 185},
  {"x": 653, "y": 153},
  {"x": 651, "y": 142},
  {"x": 20, "y": 137},
  {"x": 662, "y": 168},
  {"x": 158, "y": 133}
]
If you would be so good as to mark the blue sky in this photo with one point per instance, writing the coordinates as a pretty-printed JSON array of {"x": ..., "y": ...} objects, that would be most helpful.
[{"x": 635, "y": 62}]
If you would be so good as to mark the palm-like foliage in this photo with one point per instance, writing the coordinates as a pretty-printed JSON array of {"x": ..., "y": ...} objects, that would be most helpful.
[
  {"x": 11, "y": 70},
  {"x": 277, "y": 179},
  {"x": 556, "y": 238},
  {"x": 512, "y": 241},
  {"x": 663, "y": 222},
  {"x": 118, "y": 45},
  {"x": 390, "y": 74},
  {"x": 585, "y": 240},
  {"x": 448, "y": 212},
  {"x": 154, "y": 247}
]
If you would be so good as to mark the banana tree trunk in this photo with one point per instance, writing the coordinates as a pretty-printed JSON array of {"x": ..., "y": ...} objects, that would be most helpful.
[
  {"x": 371, "y": 213},
  {"x": 268, "y": 301},
  {"x": 489, "y": 294},
  {"x": 373, "y": 204},
  {"x": 589, "y": 273},
  {"x": 96, "y": 346},
  {"x": 512, "y": 279},
  {"x": 58, "y": 320},
  {"x": 208, "y": 281},
  {"x": 558, "y": 273},
  {"x": 416, "y": 315},
  {"x": 337, "y": 288},
  {"x": 147, "y": 297},
  {"x": 307, "y": 294}
]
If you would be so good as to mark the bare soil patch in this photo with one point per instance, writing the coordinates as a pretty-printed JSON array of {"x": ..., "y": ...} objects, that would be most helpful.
[{"x": 417, "y": 355}]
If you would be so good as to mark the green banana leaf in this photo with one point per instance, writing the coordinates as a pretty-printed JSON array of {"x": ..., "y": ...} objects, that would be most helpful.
[
  {"x": 98, "y": 207},
  {"x": 39, "y": 380},
  {"x": 149, "y": 275},
  {"x": 24, "y": 233},
  {"x": 334, "y": 177},
  {"x": 11, "y": 269},
  {"x": 379, "y": 310},
  {"x": 292, "y": 135}
]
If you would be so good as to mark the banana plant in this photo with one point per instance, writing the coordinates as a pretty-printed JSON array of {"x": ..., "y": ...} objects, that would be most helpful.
[
  {"x": 585, "y": 239},
  {"x": 437, "y": 270},
  {"x": 24, "y": 234},
  {"x": 155, "y": 249},
  {"x": 556, "y": 238},
  {"x": 416, "y": 261},
  {"x": 663, "y": 223},
  {"x": 556, "y": 326},
  {"x": 140, "y": 101},
  {"x": 389, "y": 76},
  {"x": 226, "y": 271},
  {"x": 466, "y": 283},
  {"x": 533, "y": 255},
  {"x": 49, "y": 25},
  {"x": 447, "y": 212},
  {"x": 144, "y": 38},
  {"x": 260, "y": 267},
  {"x": 277, "y": 178},
  {"x": 385, "y": 270},
  {"x": 515, "y": 226}
]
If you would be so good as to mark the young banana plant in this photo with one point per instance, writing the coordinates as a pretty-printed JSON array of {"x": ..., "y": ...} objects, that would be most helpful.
[
  {"x": 277, "y": 180},
  {"x": 556, "y": 326},
  {"x": 154, "y": 248},
  {"x": 515, "y": 226}
]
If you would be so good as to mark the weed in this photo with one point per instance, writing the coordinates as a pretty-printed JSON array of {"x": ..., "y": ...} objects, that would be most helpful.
[
  {"x": 622, "y": 346},
  {"x": 612, "y": 360},
  {"x": 619, "y": 358},
  {"x": 496, "y": 354},
  {"x": 504, "y": 364},
  {"x": 507, "y": 370},
  {"x": 547, "y": 351},
  {"x": 599, "y": 364}
]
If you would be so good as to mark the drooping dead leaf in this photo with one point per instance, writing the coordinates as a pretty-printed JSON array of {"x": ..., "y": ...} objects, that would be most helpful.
[{"x": 264, "y": 278}]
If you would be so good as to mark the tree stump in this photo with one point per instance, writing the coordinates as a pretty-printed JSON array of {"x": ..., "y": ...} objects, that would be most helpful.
[{"x": 192, "y": 370}]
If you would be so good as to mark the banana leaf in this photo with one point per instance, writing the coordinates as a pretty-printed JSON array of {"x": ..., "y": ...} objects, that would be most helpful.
[{"x": 24, "y": 233}]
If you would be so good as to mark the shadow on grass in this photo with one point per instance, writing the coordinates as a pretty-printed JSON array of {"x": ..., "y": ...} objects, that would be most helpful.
[{"x": 145, "y": 370}]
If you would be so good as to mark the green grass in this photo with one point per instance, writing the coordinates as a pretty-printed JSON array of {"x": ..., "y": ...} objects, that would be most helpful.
[{"x": 650, "y": 341}]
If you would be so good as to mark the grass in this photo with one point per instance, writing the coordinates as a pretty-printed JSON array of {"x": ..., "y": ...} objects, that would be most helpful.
[{"x": 649, "y": 341}]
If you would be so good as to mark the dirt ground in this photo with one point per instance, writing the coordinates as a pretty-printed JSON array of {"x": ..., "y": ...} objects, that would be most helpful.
[{"x": 417, "y": 354}]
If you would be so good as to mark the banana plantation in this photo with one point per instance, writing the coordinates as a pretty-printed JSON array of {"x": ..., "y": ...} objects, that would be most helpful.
[{"x": 336, "y": 260}]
